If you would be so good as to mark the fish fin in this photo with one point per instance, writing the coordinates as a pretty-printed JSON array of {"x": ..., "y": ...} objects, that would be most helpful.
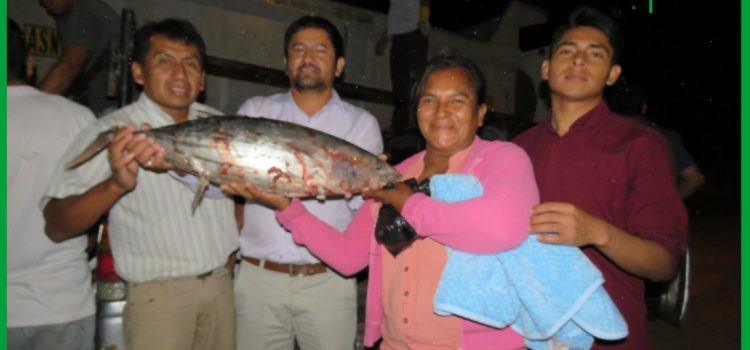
[
  {"x": 202, "y": 186},
  {"x": 101, "y": 142}
]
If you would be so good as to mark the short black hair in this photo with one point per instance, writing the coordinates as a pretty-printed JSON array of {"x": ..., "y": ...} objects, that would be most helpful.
[
  {"x": 588, "y": 17},
  {"x": 171, "y": 28},
  {"x": 17, "y": 52},
  {"x": 315, "y": 22},
  {"x": 445, "y": 60}
]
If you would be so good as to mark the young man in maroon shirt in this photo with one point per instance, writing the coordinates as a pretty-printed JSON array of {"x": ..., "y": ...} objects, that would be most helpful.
[{"x": 605, "y": 181}]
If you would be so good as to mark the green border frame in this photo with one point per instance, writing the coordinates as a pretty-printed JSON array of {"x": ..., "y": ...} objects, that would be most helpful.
[{"x": 745, "y": 163}]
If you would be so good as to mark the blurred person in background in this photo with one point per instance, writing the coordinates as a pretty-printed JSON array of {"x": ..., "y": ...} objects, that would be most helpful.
[
  {"x": 629, "y": 99},
  {"x": 407, "y": 28},
  {"x": 50, "y": 293},
  {"x": 85, "y": 29}
]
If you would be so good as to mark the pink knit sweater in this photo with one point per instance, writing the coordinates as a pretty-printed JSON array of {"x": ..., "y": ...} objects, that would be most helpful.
[{"x": 495, "y": 222}]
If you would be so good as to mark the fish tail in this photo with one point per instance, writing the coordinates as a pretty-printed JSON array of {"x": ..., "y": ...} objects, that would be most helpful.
[{"x": 101, "y": 142}]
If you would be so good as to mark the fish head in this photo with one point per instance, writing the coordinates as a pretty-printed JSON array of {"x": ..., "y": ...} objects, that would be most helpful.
[
  {"x": 386, "y": 173},
  {"x": 358, "y": 172}
]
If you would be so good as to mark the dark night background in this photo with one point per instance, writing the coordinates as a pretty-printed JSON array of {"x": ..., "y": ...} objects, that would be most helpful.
[{"x": 686, "y": 54}]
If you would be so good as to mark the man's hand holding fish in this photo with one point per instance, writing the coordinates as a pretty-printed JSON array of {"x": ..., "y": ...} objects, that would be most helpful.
[
  {"x": 148, "y": 153},
  {"x": 124, "y": 169}
]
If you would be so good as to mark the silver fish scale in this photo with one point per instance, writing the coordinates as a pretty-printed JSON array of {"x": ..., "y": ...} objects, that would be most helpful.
[{"x": 276, "y": 156}]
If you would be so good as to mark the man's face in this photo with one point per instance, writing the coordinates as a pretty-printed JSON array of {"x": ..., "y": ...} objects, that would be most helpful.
[
  {"x": 57, "y": 7},
  {"x": 581, "y": 65},
  {"x": 311, "y": 61},
  {"x": 172, "y": 75}
]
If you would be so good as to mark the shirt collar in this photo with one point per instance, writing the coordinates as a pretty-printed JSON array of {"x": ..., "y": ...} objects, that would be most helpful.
[
  {"x": 456, "y": 162},
  {"x": 194, "y": 111},
  {"x": 333, "y": 102},
  {"x": 588, "y": 119}
]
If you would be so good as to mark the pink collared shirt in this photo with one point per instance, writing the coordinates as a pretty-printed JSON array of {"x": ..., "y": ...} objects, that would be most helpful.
[
  {"x": 495, "y": 222},
  {"x": 409, "y": 284}
]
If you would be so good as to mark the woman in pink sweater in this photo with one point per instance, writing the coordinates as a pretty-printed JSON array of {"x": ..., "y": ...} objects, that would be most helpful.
[{"x": 450, "y": 108}]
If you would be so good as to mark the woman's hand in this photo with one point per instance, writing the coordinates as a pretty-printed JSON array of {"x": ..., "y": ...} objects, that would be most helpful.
[
  {"x": 396, "y": 196},
  {"x": 250, "y": 192}
]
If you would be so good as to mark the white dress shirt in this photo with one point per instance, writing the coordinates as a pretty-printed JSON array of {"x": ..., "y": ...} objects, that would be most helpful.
[
  {"x": 262, "y": 237},
  {"x": 153, "y": 232}
]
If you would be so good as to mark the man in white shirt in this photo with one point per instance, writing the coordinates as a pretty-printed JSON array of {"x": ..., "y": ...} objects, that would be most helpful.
[
  {"x": 179, "y": 291},
  {"x": 50, "y": 296},
  {"x": 283, "y": 292},
  {"x": 408, "y": 23}
]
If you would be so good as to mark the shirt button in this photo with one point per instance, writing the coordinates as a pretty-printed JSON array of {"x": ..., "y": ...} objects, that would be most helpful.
[
  {"x": 406, "y": 268},
  {"x": 406, "y": 320},
  {"x": 406, "y": 293}
]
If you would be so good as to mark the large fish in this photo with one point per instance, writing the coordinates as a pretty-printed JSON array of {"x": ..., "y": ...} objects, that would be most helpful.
[{"x": 276, "y": 156}]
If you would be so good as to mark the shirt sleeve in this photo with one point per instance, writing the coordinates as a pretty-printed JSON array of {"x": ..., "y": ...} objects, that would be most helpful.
[
  {"x": 655, "y": 210},
  {"x": 496, "y": 221},
  {"x": 81, "y": 120},
  {"x": 79, "y": 180},
  {"x": 347, "y": 252}
]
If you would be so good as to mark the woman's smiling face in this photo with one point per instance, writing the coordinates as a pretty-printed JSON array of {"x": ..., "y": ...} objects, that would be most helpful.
[{"x": 447, "y": 112}]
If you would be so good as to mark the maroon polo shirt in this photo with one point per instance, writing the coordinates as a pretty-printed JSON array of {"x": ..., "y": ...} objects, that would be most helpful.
[{"x": 621, "y": 171}]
